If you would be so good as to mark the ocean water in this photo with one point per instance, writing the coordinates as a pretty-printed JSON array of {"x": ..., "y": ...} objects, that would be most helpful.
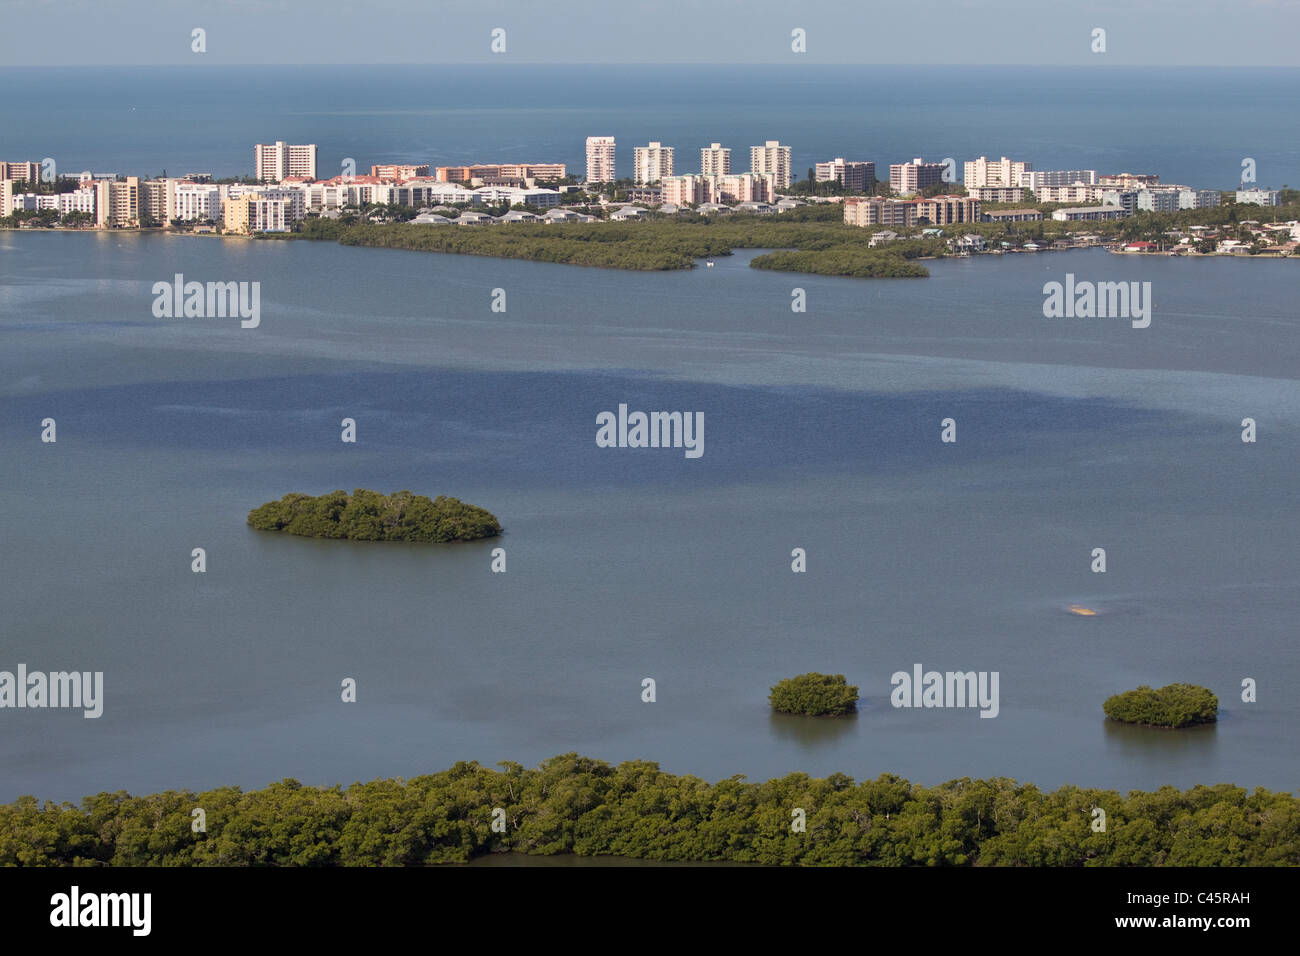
[
  {"x": 822, "y": 433},
  {"x": 1190, "y": 125}
]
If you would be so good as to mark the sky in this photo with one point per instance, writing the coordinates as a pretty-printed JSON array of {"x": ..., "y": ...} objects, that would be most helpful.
[{"x": 961, "y": 32}]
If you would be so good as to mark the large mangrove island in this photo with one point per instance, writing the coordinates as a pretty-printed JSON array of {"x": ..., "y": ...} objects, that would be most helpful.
[
  {"x": 573, "y": 804},
  {"x": 370, "y": 516}
]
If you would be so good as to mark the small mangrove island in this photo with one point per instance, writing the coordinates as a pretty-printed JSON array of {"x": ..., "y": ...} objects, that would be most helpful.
[
  {"x": 1172, "y": 706},
  {"x": 370, "y": 516},
  {"x": 815, "y": 695}
]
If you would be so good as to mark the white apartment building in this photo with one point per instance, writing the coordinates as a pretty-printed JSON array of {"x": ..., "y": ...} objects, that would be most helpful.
[
  {"x": 541, "y": 198},
  {"x": 1197, "y": 198},
  {"x": 1159, "y": 199},
  {"x": 1034, "y": 181},
  {"x": 1079, "y": 213},
  {"x": 715, "y": 160},
  {"x": 1127, "y": 199},
  {"x": 1001, "y": 172},
  {"x": 600, "y": 159},
  {"x": 196, "y": 202},
  {"x": 430, "y": 192},
  {"x": 279, "y": 160},
  {"x": 771, "y": 158},
  {"x": 294, "y": 196},
  {"x": 996, "y": 193},
  {"x": 1073, "y": 193},
  {"x": 79, "y": 200},
  {"x": 651, "y": 163},
  {"x": 268, "y": 215},
  {"x": 1259, "y": 197}
]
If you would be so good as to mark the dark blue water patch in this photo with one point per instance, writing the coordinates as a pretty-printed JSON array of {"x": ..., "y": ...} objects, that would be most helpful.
[{"x": 535, "y": 427}]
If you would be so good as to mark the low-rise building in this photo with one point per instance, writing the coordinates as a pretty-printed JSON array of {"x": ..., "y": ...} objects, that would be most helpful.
[
  {"x": 1012, "y": 215},
  {"x": 1077, "y": 213},
  {"x": 540, "y": 198},
  {"x": 400, "y": 172},
  {"x": 945, "y": 210},
  {"x": 996, "y": 193},
  {"x": 1132, "y": 181}
]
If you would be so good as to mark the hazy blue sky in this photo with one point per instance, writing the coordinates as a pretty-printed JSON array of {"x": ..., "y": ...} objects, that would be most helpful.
[{"x": 1138, "y": 32}]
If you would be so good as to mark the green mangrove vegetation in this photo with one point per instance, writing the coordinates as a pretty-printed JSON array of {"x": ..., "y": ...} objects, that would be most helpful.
[
  {"x": 370, "y": 516},
  {"x": 1174, "y": 705},
  {"x": 821, "y": 240},
  {"x": 573, "y": 804},
  {"x": 814, "y": 695}
]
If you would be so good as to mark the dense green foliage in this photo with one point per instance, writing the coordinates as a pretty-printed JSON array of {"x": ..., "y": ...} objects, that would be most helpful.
[
  {"x": 854, "y": 261},
  {"x": 828, "y": 245},
  {"x": 1174, "y": 705},
  {"x": 573, "y": 804},
  {"x": 816, "y": 695},
  {"x": 369, "y": 516}
]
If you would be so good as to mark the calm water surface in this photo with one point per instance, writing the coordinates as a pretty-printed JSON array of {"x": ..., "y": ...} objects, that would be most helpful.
[{"x": 822, "y": 433}]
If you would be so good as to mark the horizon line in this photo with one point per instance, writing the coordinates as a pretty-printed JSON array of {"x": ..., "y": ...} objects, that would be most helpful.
[{"x": 623, "y": 63}]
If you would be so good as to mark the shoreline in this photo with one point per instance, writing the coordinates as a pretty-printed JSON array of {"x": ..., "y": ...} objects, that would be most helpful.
[{"x": 1112, "y": 248}]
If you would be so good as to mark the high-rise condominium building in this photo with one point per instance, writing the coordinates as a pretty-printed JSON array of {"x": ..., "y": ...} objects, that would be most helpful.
[
  {"x": 912, "y": 177},
  {"x": 771, "y": 158},
  {"x": 850, "y": 175},
  {"x": 279, "y": 160},
  {"x": 715, "y": 160},
  {"x": 116, "y": 203},
  {"x": 1000, "y": 172},
  {"x": 651, "y": 163},
  {"x": 600, "y": 159},
  {"x": 25, "y": 171}
]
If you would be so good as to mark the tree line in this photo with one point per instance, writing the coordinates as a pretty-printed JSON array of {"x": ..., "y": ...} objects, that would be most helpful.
[{"x": 574, "y": 804}]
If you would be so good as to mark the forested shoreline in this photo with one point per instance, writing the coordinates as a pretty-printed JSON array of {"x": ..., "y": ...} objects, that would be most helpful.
[{"x": 574, "y": 804}]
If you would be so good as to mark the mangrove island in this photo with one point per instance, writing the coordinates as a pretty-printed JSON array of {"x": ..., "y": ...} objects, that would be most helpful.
[
  {"x": 370, "y": 516},
  {"x": 814, "y": 695},
  {"x": 1172, "y": 706}
]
